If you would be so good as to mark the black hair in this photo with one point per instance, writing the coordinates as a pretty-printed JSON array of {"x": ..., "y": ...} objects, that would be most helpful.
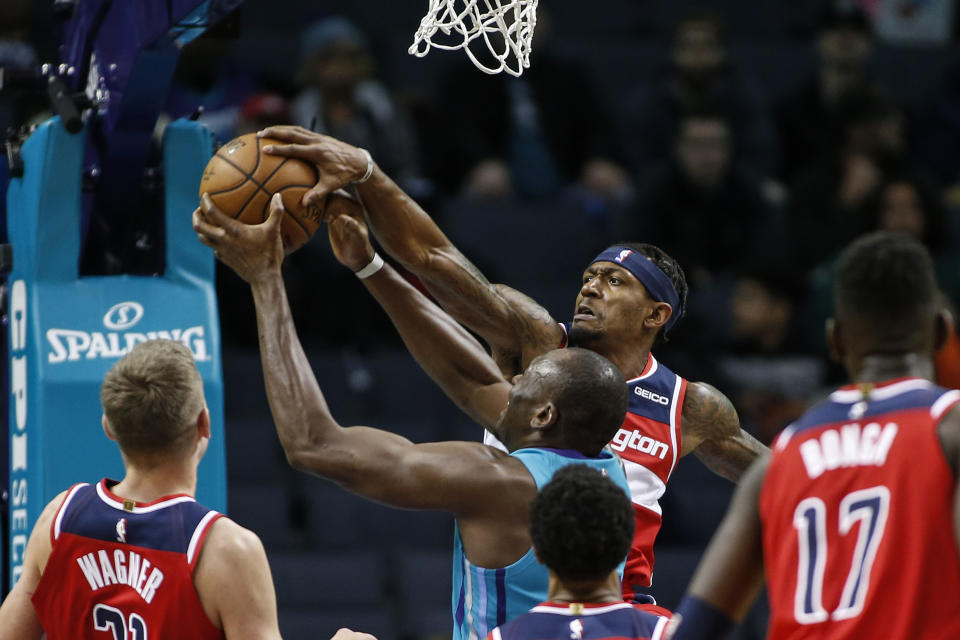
[
  {"x": 886, "y": 284},
  {"x": 581, "y": 524},
  {"x": 591, "y": 399},
  {"x": 665, "y": 263}
]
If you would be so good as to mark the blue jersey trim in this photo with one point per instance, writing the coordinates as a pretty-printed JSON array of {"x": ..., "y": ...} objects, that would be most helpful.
[
  {"x": 501, "y": 597},
  {"x": 832, "y": 412}
]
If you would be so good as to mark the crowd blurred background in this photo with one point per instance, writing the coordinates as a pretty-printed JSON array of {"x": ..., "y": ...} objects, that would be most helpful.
[{"x": 751, "y": 141}]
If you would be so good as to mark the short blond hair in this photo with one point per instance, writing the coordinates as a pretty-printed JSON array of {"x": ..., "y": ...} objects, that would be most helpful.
[{"x": 151, "y": 398}]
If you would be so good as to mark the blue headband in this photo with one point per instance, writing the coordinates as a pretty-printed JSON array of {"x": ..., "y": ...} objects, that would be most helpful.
[{"x": 653, "y": 278}]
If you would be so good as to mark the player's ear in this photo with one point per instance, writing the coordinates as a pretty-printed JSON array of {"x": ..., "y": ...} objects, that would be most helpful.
[
  {"x": 834, "y": 339},
  {"x": 106, "y": 427},
  {"x": 203, "y": 422},
  {"x": 545, "y": 416},
  {"x": 659, "y": 316}
]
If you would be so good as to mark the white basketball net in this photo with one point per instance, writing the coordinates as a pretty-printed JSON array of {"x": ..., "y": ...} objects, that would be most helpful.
[{"x": 504, "y": 26}]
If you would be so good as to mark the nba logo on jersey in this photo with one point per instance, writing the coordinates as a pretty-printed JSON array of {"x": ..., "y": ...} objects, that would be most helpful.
[
  {"x": 623, "y": 255},
  {"x": 576, "y": 630},
  {"x": 122, "y": 530}
]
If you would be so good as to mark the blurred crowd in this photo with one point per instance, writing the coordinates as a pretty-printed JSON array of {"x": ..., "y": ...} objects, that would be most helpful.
[{"x": 753, "y": 190}]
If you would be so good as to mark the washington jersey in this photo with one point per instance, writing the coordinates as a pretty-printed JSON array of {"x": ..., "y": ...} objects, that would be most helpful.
[
  {"x": 124, "y": 569},
  {"x": 484, "y": 598},
  {"x": 856, "y": 510},
  {"x": 603, "y": 621}
]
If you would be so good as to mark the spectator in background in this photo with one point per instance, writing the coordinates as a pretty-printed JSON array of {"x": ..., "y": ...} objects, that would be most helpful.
[
  {"x": 342, "y": 98},
  {"x": 809, "y": 123},
  {"x": 208, "y": 76},
  {"x": 17, "y": 55},
  {"x": 529, "y": 136},
  {"x": 702, "y": 206},
  {"x": 905, "y": 204},
  {"x": 830, "y": 193},
  {"x": 262, "y": 110},
  {"x": 699, "y": 76},
  {"x": 765, "y": 359}
]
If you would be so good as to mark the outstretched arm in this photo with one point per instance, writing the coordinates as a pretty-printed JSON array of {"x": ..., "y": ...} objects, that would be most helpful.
[
  {"x": 459, "y": 477},
  {"x": 511, "y": 326},
  {"x": 711, "y": 430},
  {"x": 444, "y": 349},
  {"x": 730, "y": 574},
  {"x": 949, "y": 433}
]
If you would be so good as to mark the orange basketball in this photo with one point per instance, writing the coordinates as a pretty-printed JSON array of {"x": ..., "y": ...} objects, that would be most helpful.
[{"x": 241, "y": 179}]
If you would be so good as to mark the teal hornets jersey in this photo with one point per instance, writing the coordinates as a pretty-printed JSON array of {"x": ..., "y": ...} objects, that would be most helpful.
[{"x": 487, "y": 598}]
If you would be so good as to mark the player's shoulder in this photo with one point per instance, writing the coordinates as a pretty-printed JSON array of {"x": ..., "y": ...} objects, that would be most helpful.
[
  {"x": 49, "y": 512},
  {"x": 708, "y": 411},
  {"x": 863, "y": 402},
  {"x": 228, "y": 540}
]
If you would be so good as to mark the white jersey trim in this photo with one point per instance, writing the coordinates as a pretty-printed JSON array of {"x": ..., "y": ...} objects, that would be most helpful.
[
  {"x": 491, "y": 441},
  {"x": 198, "y": 533},
  {"x": 943, "y": 403},
  {"x": 564, "y": 610},
  {"x": 849, "y": 396},
  {"x": 658, "y": 630},
  {"x": 496, "y": 633},
  {"x": 154, "y": 507},
  {"x": 674, "y": 413},
  {"x": 784, "y": 438},
  {"x": 646, "y": 487},
  {"x": 63, "y": 509},
  {"x": 654, "y": 365}
]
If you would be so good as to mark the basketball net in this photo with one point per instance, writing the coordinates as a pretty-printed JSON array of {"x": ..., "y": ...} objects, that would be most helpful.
[{"x": 504, "y": 26}]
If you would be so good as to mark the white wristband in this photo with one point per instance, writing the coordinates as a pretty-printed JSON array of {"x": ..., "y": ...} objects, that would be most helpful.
[
  {"x": 366, "y": 176},
  {"x": 375, "y": 265}
]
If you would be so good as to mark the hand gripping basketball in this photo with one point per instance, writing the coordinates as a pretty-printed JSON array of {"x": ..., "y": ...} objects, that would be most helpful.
[
  {"x": 338, "y": 163},
  {"x": 253, "y": 251},
  {"x": 241, "y": 178}
]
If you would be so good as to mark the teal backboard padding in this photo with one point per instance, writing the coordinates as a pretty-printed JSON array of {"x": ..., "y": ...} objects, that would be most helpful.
[{"x": 66, "y": 331}]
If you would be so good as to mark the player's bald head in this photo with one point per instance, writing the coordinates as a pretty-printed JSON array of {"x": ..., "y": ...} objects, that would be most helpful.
[{"x": 589, "y": 393}]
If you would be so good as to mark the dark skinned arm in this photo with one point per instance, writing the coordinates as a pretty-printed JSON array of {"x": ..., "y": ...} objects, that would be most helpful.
[
  {"x": 730, "y": 574},
  {"x": 459, "y": 477},
  {"x": 443, "y": 348},
  {"x": 711, "y": 430},
  {"x": 949, "y": 432},
  {"x": 513, "y": 325}
]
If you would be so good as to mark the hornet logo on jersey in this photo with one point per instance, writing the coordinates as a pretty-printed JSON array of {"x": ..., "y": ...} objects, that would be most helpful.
[
  {"x": 623, "y": 255},
  {"x": 122, "y": 530},
  {"x": 576, "y": 630}
]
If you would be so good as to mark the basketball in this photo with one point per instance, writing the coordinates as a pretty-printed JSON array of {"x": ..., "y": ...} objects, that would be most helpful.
[{"x": 240, "y": 179}]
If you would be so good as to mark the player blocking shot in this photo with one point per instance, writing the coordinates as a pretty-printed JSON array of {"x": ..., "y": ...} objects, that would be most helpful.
[
  {"x": 855, "y": 517},
  {"x": 629, "y": 296},
  {"x": 562, "y": 410},
  {"x": 140, "y": 558}
]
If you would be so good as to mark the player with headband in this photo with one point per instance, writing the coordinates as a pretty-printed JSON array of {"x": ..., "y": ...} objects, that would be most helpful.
[{"x": 629, "y": 294}]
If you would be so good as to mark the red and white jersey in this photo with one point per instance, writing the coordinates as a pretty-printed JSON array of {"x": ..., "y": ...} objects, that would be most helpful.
[
  {"x": 856, "y": 510},
  {"x": 649, "y": 444},
  {"x": 121, "y": 569}
]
